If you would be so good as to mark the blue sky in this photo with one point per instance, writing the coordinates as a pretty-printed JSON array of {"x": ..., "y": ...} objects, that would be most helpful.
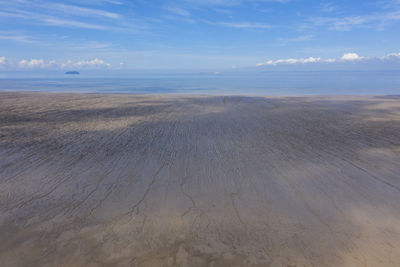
[{"x": 198, "y": 34}]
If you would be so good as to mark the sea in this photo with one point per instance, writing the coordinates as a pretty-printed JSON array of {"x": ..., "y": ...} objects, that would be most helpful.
[{"x": 216, "y": 83}]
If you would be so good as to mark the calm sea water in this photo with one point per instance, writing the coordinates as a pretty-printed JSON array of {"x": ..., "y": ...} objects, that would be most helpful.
[{"x": 266, "y": 83}]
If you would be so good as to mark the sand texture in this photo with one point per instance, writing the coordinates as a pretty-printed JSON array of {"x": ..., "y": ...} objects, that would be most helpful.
[{"x": 125, "y": 180}]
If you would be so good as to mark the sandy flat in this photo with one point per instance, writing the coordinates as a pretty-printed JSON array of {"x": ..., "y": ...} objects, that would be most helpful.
[{"x": 125, "y": 180}]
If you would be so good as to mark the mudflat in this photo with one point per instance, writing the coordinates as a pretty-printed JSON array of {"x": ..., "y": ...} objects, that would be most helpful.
[{"x": 180, "y": 180}]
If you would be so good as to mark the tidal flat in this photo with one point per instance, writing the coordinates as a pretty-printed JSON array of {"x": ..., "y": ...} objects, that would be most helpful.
[{"x": 191, "y": 180}]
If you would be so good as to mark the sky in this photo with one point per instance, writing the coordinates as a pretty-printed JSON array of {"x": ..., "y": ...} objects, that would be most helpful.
[{"x": 199, "y": 34}]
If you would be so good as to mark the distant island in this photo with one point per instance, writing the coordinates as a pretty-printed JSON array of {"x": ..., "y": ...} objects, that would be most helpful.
[{"x": 72, "y": 72}]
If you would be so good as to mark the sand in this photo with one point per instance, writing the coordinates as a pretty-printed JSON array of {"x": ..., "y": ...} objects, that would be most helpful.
[{"x": 179, "y": 180}]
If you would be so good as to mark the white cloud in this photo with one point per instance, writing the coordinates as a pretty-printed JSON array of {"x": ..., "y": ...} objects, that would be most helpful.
[
  {"x": 88, "y": 46},
  {"x": 243, "y": 25},
  {"x": 32, "y": 63},
  {"x": 291, "y": 61},
  {"x": 375, "y": 21},
  {"x": 82, "y": 11},
  {"x": 214, "y": 2},
  {"x": 41, "y": 63},
  {"x": 2, "y": 60},
  {"x": 229, "y": 2},
  {"x": 343, "y": 24},
  {"x": 284, "y": 61},
  {"x": 64, "y": 15},
  {"x": 328, "y": 7},
  {"x": 297, "y": 39},
  {"x": 52, "y": 21},
  {"x": 348, "y": 57},
  {"x": 311, "y": 60},
  {"x": 37, "y": 63},
  {"x": 178, "y": 11},
  {"x": 92, "y": 63},
  {"x": 391, "y": 56},
  {"x": 72, "y": 23},
  {"x": 85, "y": 63},
  {"x": 100, "y": 2},
  {"x": 275, "y": 1},
  {"x": 351, "y": 57},
  {"x": 330, "y": 60},
  {"x": 10, "y": 36}
]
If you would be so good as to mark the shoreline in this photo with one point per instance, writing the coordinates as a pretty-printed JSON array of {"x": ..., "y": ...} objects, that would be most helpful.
[{"x": 394, "y": 96}]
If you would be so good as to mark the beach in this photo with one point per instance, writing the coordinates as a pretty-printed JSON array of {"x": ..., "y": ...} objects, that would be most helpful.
[{"x": 199, "y": 180}]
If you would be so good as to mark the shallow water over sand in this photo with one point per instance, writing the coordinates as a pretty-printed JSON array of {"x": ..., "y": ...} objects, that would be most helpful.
[
  {"x": 264, "y": 83},
  {"x": 166, "y": 180}
]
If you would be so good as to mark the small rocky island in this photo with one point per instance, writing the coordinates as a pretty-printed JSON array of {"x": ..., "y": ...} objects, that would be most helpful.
[{"x": 72, "y": 72}]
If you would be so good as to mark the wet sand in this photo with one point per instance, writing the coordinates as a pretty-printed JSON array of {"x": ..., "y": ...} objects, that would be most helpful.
[{"x": 125, "y": 180}]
